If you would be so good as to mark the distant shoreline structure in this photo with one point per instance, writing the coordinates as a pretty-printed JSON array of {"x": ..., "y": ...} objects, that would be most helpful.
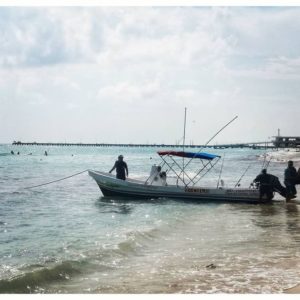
[{"x": 254, "y": 145}]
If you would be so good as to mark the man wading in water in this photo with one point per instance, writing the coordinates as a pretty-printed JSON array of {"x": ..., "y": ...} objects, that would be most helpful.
[
  {"x": 290, "y": 180},
  {"x": 120, "y": 167},
  {"x": 268, "y": 184},
  {"x": 265, "y": 187}
]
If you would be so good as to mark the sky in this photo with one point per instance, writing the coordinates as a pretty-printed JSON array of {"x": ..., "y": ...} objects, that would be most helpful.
[{"x": 125, "y": 74}]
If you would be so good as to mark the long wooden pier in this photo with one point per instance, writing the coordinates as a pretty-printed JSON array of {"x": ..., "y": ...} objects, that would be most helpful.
[{"x": 255, "y": 145}]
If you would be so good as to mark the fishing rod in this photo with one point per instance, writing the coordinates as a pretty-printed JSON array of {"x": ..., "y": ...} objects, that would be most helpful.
[
  {"x": 211, "y": 139},
  {"x": 221, "y": 171},
  {"x": 268, "y": 163},
  {"x": 265, "y": 164},
  {"x": 237, "y": 184},
  {"x": 218, "y": 133},
  {"x": 184, "y": 166},
  {"x": 264, "y": 161}
]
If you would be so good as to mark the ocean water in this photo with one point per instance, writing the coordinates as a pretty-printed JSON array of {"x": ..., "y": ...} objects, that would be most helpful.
[{"x": 66, "y": 237}]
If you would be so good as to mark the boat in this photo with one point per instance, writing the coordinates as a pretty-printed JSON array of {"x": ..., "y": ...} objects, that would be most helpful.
[{"x": 185, "y": 186}]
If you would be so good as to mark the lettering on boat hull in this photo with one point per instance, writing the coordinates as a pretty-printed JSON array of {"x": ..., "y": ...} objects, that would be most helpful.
[{"x": 196, "y": 190}]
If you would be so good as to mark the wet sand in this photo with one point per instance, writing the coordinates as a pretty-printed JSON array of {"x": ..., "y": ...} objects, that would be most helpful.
[{"x": 293, "y": 290}]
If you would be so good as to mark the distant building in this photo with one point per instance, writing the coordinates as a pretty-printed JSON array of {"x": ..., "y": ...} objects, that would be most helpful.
[{"x": 287, "y": 142}]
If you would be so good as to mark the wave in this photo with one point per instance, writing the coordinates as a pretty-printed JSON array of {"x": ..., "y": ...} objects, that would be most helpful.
[
  {"x": 4, "y": 154},
  {"x": 42, "y": 278},
  {"x": 37, "y": 277},
  {"x": 137, "y": 240},
  {"x": 30, "y": 282},
  {"x": 281, "y": 156}
]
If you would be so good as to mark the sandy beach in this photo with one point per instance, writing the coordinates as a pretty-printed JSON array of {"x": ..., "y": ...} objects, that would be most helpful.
[{"x": 293, "y": 290}]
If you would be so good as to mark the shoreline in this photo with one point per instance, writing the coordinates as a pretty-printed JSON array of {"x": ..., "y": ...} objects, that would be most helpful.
[{"x": 293, "y": 290}]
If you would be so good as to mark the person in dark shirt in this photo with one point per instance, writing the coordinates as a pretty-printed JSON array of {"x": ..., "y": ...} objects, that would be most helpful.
[
  {"x": 298, "y": 177},
  {"x": 265, "y": 187},
  {"x": 277, "y": 186},
  {"x": 120, "y": 166},
  {"x": 290, "y": 178}
]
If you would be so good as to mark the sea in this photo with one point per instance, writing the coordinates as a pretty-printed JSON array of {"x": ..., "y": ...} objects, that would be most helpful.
[{"x": 65, "y": 237}]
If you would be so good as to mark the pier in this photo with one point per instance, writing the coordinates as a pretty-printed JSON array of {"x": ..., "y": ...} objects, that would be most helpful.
[
  {"x": 287, "y": 141},
  {"x": 254, "y": 145}
]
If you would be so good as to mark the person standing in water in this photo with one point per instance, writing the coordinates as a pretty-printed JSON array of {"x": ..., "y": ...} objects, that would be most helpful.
[
  {"x": 265, "y": 187},
  {"x": 121, "y": 167},
  {"x": 290, "y": 177}
]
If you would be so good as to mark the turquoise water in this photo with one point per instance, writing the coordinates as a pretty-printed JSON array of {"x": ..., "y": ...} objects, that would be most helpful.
[{"x": 67, "y": 238}]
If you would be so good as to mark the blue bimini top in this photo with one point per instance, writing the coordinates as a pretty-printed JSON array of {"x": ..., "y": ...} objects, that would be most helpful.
[{"x": 200, "y": 155}]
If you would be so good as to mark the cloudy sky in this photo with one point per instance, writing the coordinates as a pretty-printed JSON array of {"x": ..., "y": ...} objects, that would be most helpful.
[{"x": 125, "y": 74}]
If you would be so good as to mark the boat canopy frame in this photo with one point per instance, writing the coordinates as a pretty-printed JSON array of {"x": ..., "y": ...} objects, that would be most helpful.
[{"x": 208, "y": 162}]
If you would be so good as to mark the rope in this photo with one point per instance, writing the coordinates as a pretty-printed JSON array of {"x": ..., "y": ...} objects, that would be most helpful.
[{"x": 30, "y": 187}]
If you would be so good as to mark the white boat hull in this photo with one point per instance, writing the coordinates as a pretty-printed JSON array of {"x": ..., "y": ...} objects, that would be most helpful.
[{"x": 110, "y": 186}]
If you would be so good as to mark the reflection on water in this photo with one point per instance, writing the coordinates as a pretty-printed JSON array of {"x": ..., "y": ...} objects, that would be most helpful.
[
  {"x": 281, "y": 221},
  {"x": 292, "y": 208},
  {"x": 293, "y": 221},
  {"x": 107, "y": 205},
  {"x": 275, "y": 224}
]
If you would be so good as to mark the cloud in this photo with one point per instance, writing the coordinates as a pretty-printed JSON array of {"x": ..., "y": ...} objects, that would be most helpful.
[
  {"x": 128, "y": 93},
  {"x": 35, "y": 37},
  {"x": 107, "y": 36},
  {"x": 133, "y": 63},
  {"x": 40, "y": 37},
  {"x": 284, "y": 68}
]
